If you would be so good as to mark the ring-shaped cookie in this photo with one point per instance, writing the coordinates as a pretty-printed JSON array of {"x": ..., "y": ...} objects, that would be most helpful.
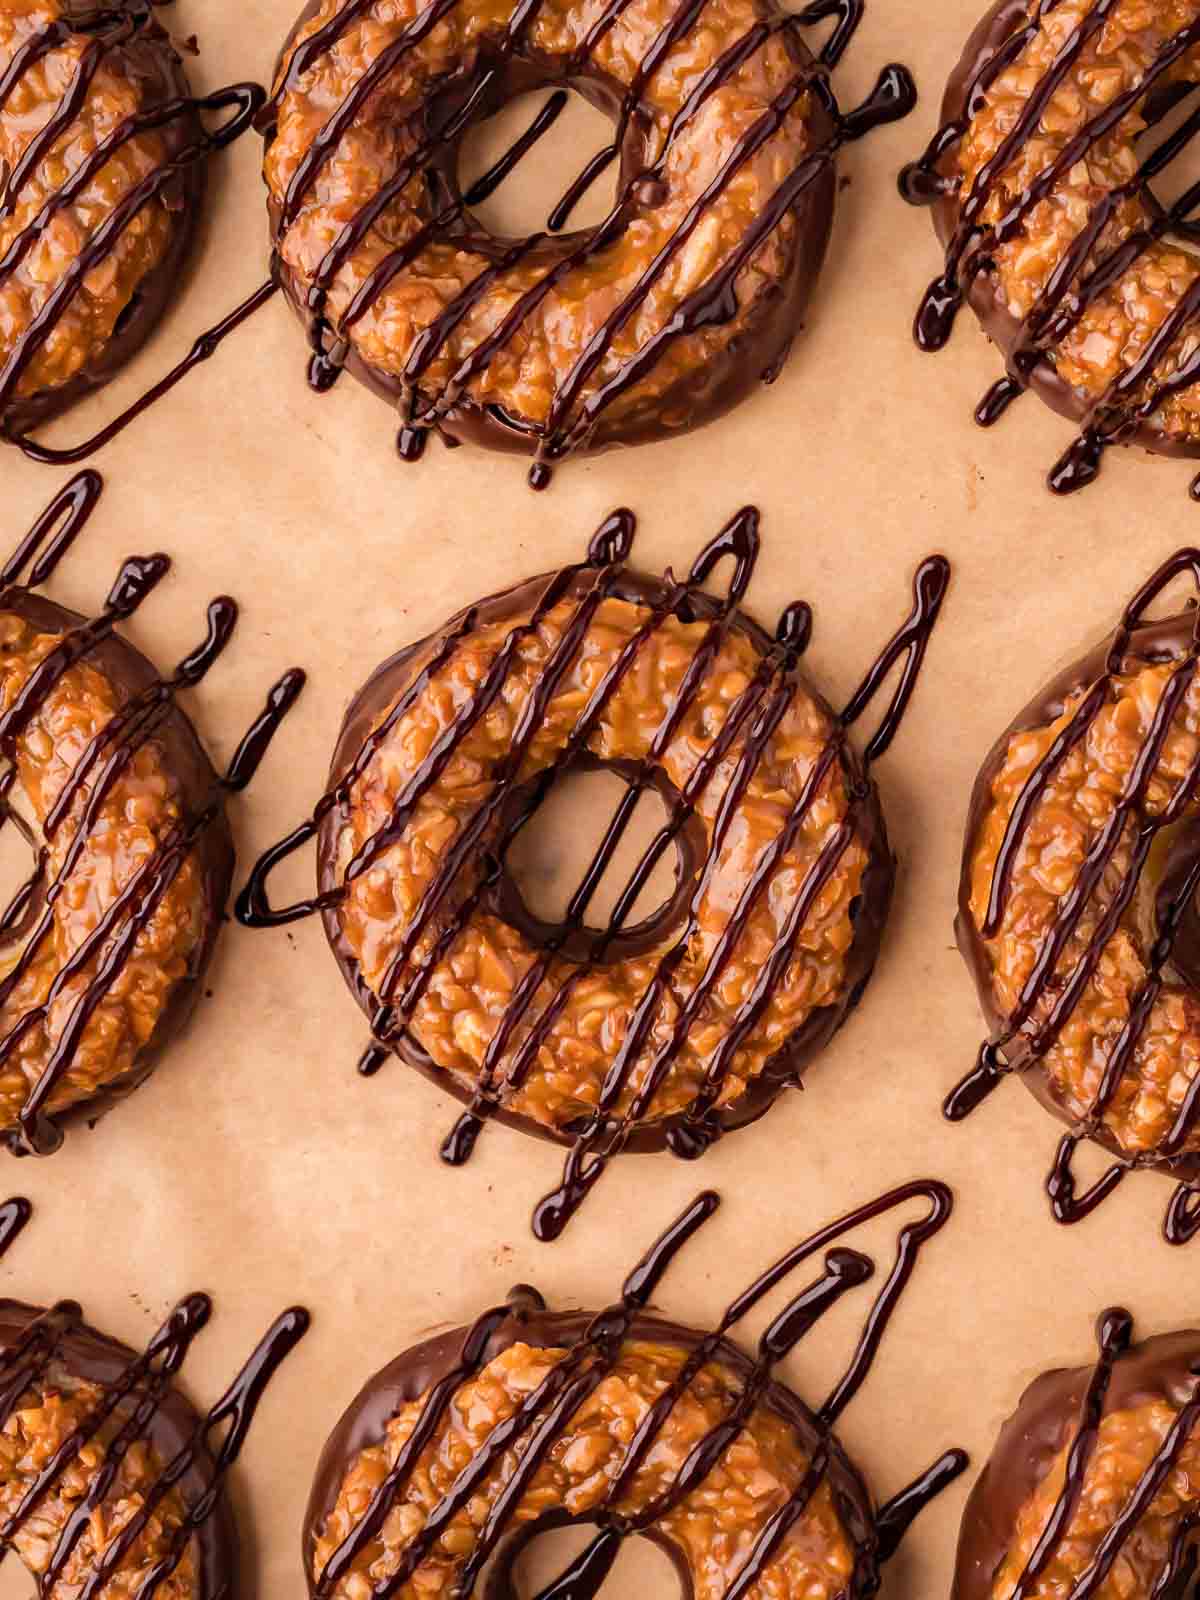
[
  {"x": 462, "y": 1451},
  {"x": 663, "y": 316},
  {"x": 618, "y": 1038}
]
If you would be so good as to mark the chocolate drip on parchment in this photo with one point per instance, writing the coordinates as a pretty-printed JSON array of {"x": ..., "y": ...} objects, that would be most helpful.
[
  {"x": 1126, "y": 408},
  {"x": 14, "y": 1214},
  {"x": 756, "y": 714},
  {"x": 29, "y": 917},
  {"x": 542, "y": 1417},
  {"x": 573, "y": 416},
  {"x": 108, "y": 30},
  {"x": 141, "y": 1389},
  {"x": 1048, "y": 998}
]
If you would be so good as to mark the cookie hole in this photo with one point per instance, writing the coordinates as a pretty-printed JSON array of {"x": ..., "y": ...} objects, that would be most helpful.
[
  {"x": 524, "y": 201},
  {"x": 642, "y": 1567},
  {"x": 20, "y": 837},
  {"x": 1180, "y": 104},
  {"x": 549, "y": 857}
]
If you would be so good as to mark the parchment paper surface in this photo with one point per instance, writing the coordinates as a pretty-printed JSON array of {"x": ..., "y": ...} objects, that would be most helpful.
[{"x": 257, "y": 1165}]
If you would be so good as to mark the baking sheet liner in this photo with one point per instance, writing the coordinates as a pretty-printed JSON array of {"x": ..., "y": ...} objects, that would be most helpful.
[{"x": 257, "y": 1165}]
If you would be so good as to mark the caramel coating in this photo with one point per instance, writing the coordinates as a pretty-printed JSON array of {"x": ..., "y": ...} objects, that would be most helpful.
[
  {"x": 1128, "y": 1441},
  {"x": 713, "y": 1529},
  {"x": 1119, "y": 323},
  {"x": 472, "y": 986},
  {"x": 143, "y": 805},
  {"x": 83, "y": 333},
  {"x": 522, "y": 377},
  {"x": 43, "y": 1419},
  {"x": 1080, "y": 798}
]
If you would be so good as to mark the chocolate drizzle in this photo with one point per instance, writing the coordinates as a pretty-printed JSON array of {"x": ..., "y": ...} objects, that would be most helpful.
[
  {"x": 1049, "y": 997},
  {"x": 14, "y": 1214},
  {"x": 141, "y": 1390},
  {"x": 204, "y": 348},
  {"x": 1124, "y": 412},
  {"x": 754, "y": 716},
  {"x": 573, "y": 416},
  {"x": 435, "y": 1374},
  {"x": 108, "y": 30},
  {"x": 137, "y": 1391},
  {"x": 30, "y": 916},
  {"x": 1074, "y": 1404}
]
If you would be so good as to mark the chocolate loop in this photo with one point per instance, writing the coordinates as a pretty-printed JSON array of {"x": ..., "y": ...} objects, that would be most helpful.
[
  {"x": 739, "y": 539},
  {"x": 848, "y": 14},
  {"x": 613, "y": 539},
  {"x": 930, "y": 583},
  {"x": 68, "y": 512},
  {"x": 1182, "y": 1221},
  {"x": 1185, "y": 560},
  {"x": 247, "y": 100},
  {"x": 254, "y": 909}
]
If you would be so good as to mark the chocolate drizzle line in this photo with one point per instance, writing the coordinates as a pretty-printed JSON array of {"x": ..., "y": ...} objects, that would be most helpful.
[
  {"x": 545, "y": 1413},
  {"x": 757, "y": 713},
  {"x": 107, "y": 755},
  {"x": 109, "y": 30},
  {"x": 143, "y": 1386},
  {"x": 14, "y": 1214},
  {"x": 572, "y": 417},
  {"x": 1081, "y": 276},
  {"x": 1023, "y": 1042},
  {"x": 1114, "y": 1329}
]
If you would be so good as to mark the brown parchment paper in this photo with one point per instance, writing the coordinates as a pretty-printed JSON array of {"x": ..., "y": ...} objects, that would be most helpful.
[{"x": 257, "y": 1165}]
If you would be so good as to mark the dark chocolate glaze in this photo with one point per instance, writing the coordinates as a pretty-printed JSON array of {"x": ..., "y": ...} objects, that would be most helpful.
[
  {"x": 434, "y": 1371},
  {"x": 36, "y": 1344},
  {"x": 147, "y": 709},
  {"x": 1118, "y": 415},
  {"x": 1062, "y": 1408},
  {"x": 124, "y": 31},
  {"x": 14, "y": 1215},
  {"x": 487, "y": 835},
  {"x": 1018, "y": 1042},
  {"x": 147, "y": 56},
  {"x": 507, "y": 66}
]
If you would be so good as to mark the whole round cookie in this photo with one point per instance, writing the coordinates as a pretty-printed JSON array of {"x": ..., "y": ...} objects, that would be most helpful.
[
  {"x": 690, "y": 1023},
  {"x": 1042, "y": 180},
  {"x": 1091, "y": 1490},
  {"x": 96, "y": 207},
  {"x": 686, "y": 296},
  {"x": 461, "y": 1452},
  {"x": 1076, "y": 906},
  {"x": 104, "y": 947}
]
